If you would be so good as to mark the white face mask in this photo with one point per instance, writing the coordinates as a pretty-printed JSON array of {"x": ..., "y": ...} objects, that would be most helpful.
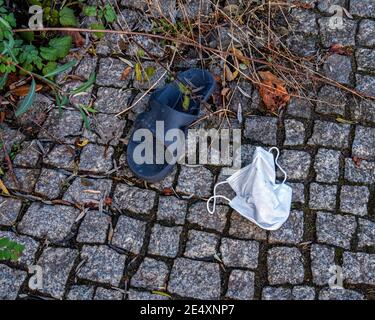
[{"x": 258, "y": 197}]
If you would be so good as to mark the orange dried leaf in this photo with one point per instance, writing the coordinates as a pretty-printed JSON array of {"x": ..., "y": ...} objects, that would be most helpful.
[
  {"x": 108, "y": 201},
  {"x": 24, "y": 90},
  {"x": 217, "y": 78},
  {"x": 126, "y": 73},
  {"x": 340, "y": 49},
  {"x": 269, "y": 76},
  {"x": 168, "y": 191},
  {"x": 273, "y": 91}
]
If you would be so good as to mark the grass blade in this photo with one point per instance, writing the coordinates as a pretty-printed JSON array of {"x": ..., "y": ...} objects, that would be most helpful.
[
  {"x": 85, "y": 118},
  {"x": 28, "y": 101},
  {"x": 61, "y": 100},
  {"x": 83, "y": 87},
  {"x": 160, "y": 293},
  {"x": 60, "y": 69},
  {"x": 3, "y": 80}
]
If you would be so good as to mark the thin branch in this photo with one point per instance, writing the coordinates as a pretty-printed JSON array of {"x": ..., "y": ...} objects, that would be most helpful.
[{"x": 189, "y": 42}]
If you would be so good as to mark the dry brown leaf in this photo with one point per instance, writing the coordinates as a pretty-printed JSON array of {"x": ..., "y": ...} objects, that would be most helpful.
[
  {"x": 357, "y": 161},
  {"x": 225, "y": 91},
  {"x": 340, "y": 49},
  {"x": 2, "y": 116},
  {"x": 168, "y": 191},
  {"x": 217, "y": 78},
  {"x": 126, "y": 73},
  {"x": 12, "y": 79},
  {"x": 24, "y": 90},
  {"x": 240, "y": 56},
  {"x": 108, "y": 201},
  {"x": 273, "y": 91},
  {"x": 82, "y": 143},
  {"x": 77, "y": 38},
  {"x": 269, "y": 76},
  {"x": 229, "y": 75}
]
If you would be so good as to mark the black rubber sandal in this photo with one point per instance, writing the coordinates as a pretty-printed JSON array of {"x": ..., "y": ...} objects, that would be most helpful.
[{"x": 167, "y": 105}]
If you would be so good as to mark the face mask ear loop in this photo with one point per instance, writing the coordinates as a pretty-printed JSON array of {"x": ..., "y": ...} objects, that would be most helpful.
[
  {"x": 276, "y": 162},
  {"x": 214, "y": 197}
]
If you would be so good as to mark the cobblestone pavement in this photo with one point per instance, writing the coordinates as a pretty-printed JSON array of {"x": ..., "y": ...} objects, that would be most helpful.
[{"x": 134, "y": 238}]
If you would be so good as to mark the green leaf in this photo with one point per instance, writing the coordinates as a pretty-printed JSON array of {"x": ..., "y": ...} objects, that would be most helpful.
[
  {"x": 150, "y": 71},
  {"x": 28, "y": 36},
  {"x": 98, "y": 26},
  {"x": 186, "y": 98},
  {"x": 8, "y": 34},
  {"x": 49, "y": 54},
  {"x": 60, "y": 69},
  {"x": 51, "y": 16},
  {"x": 13, "y": 256},
  {"x": 83, "y": 87},
  {"x": 29, "y": 54},
  {"x": 4, "y": 242},
  {"x": 8, "y": 49},
  {"x": 28, "y": 101},
  {"x": 184, "y": 89},
  {"x": 4, "y": 255},
  {"x": 49, "y": 67},
  {"x": 10, "y": 250},
  {"x": 90, "y": 11},
  {"x": 109, "y": 14},
  {"x": 140, "y": 53},
  {"x": 91, "y": 110},
  {"x": 5, "y": 24},
  {"x": 186, "y": 102},
  {"x": 3, "y": 80},
  {"x": 11, "y": 19},
  {"x": 62, "y": 44},
  {"x": 67, "y": 17},
  {"x": 138, "y": 72},
  {"x": 18, "y": 247}
]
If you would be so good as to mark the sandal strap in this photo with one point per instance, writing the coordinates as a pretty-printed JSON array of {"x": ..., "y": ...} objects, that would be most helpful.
[{"x": 171, "y": 118}]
